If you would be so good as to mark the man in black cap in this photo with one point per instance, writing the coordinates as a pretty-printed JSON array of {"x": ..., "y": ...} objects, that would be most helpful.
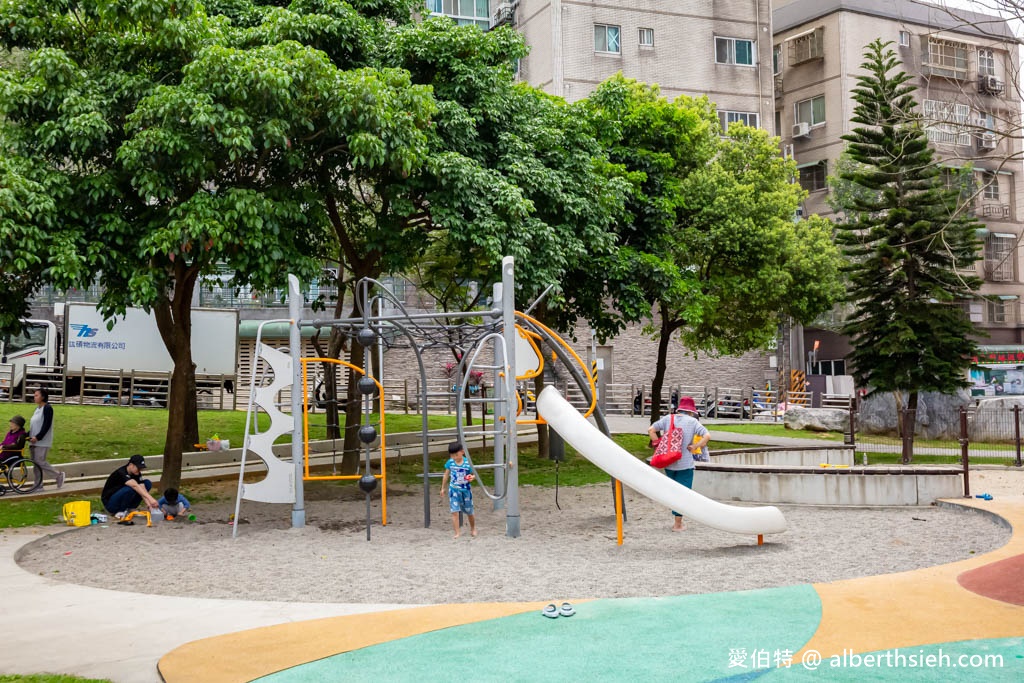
[{"x": 125, "y": 488}]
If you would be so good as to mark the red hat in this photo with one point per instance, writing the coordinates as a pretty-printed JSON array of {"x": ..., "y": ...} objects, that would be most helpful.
[{"x": 686, "y": 405}]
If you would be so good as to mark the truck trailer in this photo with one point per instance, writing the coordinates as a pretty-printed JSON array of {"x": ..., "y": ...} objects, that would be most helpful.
[{"x": 83, "y": 344}]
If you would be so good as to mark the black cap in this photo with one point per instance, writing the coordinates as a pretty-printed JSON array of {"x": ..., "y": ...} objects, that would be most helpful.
[
  {"x": 18, "y": 420},
  {"x": 138, "y": 461},
  {"x": 455, "y": 447}
]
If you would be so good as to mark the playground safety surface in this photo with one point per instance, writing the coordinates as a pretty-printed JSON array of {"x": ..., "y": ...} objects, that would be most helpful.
[{"x": 944, "y": 617}]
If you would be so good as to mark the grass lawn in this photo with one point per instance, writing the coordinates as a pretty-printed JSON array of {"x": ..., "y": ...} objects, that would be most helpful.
[
  {"x": 534, "y": 471},
  {"x": 18, "y": 512},
  {"x": 110, "y": 432},
  {"x": 780, "y": 430},
  {"x": 774, "y": 430},
  {"x": 38, "y": 511},
  {"x": 48, "y": 678}
]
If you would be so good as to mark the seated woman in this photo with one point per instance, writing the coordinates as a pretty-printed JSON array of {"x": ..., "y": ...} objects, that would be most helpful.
[{"x": 14, "y": 442}]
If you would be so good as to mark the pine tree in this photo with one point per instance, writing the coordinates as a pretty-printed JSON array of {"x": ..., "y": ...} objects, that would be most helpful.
[{"x": 910, "y": 247}]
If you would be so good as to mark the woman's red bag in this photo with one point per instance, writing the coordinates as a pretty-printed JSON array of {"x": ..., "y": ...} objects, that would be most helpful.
[{"x": 670, "y": 446}]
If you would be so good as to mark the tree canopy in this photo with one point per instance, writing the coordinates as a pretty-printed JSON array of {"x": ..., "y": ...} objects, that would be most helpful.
[
  {"x": 712, "y": 253},
  {"x": 910, "y": 249}
]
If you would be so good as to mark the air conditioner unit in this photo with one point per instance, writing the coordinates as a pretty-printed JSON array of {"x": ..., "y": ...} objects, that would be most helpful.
[
  {"x": 801, "y": 130},
  {"x": 991, "y": 84},
  {"x": 504, "y": 14},
  {"x": 987, "y": 141}
]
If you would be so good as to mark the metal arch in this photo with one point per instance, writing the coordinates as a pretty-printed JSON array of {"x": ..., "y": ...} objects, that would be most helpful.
[{"x": 464, "y": 371}]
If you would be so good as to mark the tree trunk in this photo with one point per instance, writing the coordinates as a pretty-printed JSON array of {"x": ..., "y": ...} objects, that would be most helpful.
[
  {"x": 335, "y": 345},
  {"x": 910, "y": 424},
  {"x": 543, "y": 442},
  {"x": 660, "y": 367},
  {"x": 174, "y": 320},
  {"x": 353, "y": 411}
]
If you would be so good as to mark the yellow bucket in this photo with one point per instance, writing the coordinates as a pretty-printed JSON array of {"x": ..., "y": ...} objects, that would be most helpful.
[{"x": 77, "y": 513}]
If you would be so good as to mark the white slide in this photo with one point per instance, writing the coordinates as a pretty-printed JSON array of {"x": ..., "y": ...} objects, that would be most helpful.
[{"x": 642, "y": 478}]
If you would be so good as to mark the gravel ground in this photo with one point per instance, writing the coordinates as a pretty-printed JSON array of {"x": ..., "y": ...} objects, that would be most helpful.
[{"x": 563, "y": 554}]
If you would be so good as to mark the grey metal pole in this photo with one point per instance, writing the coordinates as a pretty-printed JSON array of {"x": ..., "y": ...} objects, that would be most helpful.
[
  {"x": 508, "y": 314},
  {"x": 503, "y": 412},
  {"x": 295, "y": 345}
]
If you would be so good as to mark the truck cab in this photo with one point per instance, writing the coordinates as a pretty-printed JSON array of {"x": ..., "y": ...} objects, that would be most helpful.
[{"x": 37, "y": 344}]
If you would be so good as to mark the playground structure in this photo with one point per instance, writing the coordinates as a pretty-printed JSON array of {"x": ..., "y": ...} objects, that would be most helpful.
[{"x": 511, "y": 338}]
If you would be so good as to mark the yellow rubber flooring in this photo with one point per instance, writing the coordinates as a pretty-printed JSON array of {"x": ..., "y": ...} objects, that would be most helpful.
[
  {"x": 247, "y": 655},
  {"x": 866, "y": 614},
  {"x": 922, "y": 606}
]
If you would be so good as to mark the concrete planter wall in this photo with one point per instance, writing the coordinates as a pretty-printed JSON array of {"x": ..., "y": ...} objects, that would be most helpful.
[
  {"x": 827, "y": 487},
  {"x": 785, "y": 457}
]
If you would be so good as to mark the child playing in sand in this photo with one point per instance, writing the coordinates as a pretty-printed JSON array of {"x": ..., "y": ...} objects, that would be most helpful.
[
  {"x": 173, "y": 504},
  {"x": 458, "y": 475}
]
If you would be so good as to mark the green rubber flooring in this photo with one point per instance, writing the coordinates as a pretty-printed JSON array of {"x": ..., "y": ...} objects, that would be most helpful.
[{"x": 685, "y": 638}]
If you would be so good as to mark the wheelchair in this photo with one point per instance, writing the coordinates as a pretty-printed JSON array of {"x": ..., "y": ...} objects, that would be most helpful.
[{"x": 19, "y": 474}]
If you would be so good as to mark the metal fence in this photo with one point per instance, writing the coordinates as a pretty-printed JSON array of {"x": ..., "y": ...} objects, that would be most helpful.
[
  {"x": 102, "y": 386},
  {"x": 765, "y": 405},
  {"x": 980, "y": 434}
]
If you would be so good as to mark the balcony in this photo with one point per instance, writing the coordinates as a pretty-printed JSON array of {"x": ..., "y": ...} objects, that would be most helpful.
[
  {"x": 807, "y": 47},
  {"x": 996, "y": 211}
]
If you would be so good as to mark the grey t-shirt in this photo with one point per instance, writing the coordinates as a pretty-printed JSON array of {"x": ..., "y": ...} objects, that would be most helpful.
[{"x": 690, "y": 426}]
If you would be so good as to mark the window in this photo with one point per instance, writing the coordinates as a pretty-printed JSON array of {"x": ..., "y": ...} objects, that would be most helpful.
[
  {"x": 646, "y": 38},
  {"x": 963, "y": 181},
  {"x": 606, "y": 39},
  {"x": 804, "y": 48},
  {"x": 999, "y": 256},
  {"x": 746, "y": 118},
  {"x": 947, "y": 58},
  {"x": 810, "y": 111},
  {"x": 777, "y": 60},
  {"x": 986, "y": 63},
  {"x": 463, "y": 12},
  {"x": 33, "y": 336},
  {"x": 990, "y": 186},
  {"x": 1000, "y": 311},
  {"x": 778, "y": 123},
  {"x": 947, "y": 122},
  {"x": 904, "y": 38},
  {"x": 972, "y": 309},
  {"x": 813, "y": 177},
  {"x": 827, "y": 367},
  {"x": 734, "y": 51}
]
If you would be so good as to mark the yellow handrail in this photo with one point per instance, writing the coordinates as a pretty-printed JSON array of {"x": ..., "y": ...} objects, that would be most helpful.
[
  {"x": 565, "y": 345},
  {"x": 383, "y": 435}
]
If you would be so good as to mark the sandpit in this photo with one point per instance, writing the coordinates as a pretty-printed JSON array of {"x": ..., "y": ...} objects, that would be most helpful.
[{"x": 562, "y": 554}]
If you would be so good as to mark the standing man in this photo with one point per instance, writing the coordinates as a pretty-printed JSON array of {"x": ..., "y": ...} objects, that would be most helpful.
[
  {"x": 125, "y": 488},
  {"x": 40, "y": 436}
]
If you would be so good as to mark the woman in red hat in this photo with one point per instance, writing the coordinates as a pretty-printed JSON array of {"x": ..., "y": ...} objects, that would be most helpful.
[{"x": 695, "y": 435}]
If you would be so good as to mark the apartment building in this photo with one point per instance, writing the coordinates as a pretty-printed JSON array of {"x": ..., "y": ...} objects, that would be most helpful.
[
  {"x": 961, "y": 66},
  {"x": 718, "y": 48}
]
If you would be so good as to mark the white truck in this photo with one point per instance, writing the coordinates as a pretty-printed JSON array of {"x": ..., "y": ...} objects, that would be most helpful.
[{"x": 133, "y": 344}]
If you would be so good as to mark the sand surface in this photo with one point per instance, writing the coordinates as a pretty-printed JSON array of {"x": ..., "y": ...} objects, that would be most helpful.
[{"x": 563, "y": 554}]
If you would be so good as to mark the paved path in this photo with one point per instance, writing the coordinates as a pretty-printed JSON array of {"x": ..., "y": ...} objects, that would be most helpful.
[{"x": 48, "y": 625}]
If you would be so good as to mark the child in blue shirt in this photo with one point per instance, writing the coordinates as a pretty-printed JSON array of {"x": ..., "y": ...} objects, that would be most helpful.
[
  {"x": 173, "y": 504},
  {"x": 458, "y": 475}
]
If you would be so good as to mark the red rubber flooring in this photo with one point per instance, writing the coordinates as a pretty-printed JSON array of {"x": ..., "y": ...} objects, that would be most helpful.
[{"x": 1002, "y": 580}]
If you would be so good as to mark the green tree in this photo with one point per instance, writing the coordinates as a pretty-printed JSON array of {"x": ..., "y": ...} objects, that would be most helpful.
[
  {"x": 712, "y": 255},
  {"x": 183, "y": 142},
  {"x": 908, "y": 245},
  {"x": 508, "y": 170}
]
